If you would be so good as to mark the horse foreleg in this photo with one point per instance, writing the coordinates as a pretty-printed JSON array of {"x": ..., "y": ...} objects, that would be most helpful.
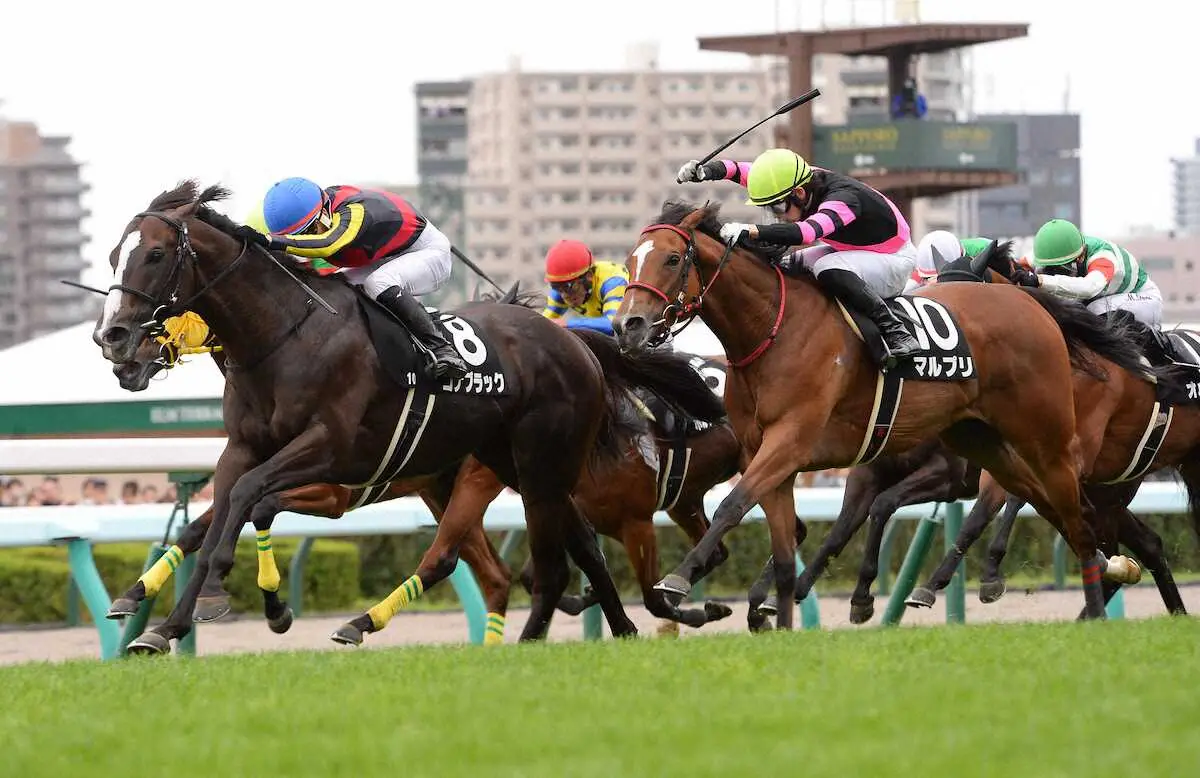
[
  {"x": 304, "y": 460},
  {"x": 991, "y": 497},
  {"x": 862, "y": 487},
  {"x": 765, "y": 482},
  {"x": 152, "y": 581}
]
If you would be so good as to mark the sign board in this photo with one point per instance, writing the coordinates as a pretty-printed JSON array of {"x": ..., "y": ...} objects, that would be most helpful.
[{"x": 915, "y": 144}]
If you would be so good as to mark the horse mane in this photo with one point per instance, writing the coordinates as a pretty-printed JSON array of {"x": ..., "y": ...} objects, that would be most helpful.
[
  {"x": 188, "y": 192},
  {"x": 710, "y": 224},
  {"x": 512, "y": 297}
]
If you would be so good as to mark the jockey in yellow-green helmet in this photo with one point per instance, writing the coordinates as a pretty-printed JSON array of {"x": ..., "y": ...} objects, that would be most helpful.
[{"x": 859, "y": 246}]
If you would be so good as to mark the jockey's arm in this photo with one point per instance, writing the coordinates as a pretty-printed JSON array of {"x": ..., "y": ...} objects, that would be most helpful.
[
  {"x": 1100, "y": 271},
  {"x": 726, "y": 170},
  {"x": 830, "y": 216},
  {"x": 348, "y": 223},
  {"x": 555, "y": 307}
]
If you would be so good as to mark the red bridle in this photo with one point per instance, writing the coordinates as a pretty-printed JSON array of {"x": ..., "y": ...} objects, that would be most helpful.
[{"x": 689, "y": 308}]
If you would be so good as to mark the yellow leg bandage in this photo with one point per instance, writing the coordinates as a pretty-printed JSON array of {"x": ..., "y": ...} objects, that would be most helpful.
[
  {"x": 268, "y": 573},
  {"x": 154, "y": 578},
  {"x": 493, "y": 634},
  {"x": 405, "y": 593}
]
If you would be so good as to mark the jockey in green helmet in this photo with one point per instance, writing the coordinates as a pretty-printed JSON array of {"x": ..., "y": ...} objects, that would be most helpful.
[
  {"x": 1101, "y": 275},
  {"x": 858, "y": 241}
]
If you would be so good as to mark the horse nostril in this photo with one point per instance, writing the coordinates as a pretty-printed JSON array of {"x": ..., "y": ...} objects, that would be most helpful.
[
  {"x": 634, "y": 323},
  {"x": 115, "y": 336}
]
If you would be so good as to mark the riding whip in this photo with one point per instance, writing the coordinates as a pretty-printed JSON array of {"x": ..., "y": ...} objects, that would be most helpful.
[{"x": 780, "y": 111}]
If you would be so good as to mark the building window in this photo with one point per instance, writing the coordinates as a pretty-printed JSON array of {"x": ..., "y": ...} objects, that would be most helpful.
[
  {"x": 1064, "y": 211},
  {"x": 1158, "y": 263},
  {"x": 1064, "y": 178},
  {"x": 1038, "y": 177}
]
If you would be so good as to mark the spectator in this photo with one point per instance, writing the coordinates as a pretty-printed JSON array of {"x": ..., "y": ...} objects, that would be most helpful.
[
  {"x": 13, "y": 493},
  {"x": 50, "y": 492},
  {"x": 149, "y": 493},
  {"x": 130, "y": 494},
  {"x": 908, "y": 102}
]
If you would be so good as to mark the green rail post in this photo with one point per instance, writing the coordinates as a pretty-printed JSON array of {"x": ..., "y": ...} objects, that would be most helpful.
[
  {"x": 511, "y": 538},
  {"x": 1060, "y": 563},
  {"x": 1116, "y": 606},
  {"x": 956, "y": 591},
  {"x": 183, "y": 574},
  {"x": 91, "y": 588},
  {"x": 186, "y": 485},
  {"x": 907, "y": 577},
  {"x": 471, "y": 598},
  {"x": 73, "y": 619},
  {"x": 136, "y": 624},
  {"x": 885, "y": 557},
  {"x": 593, "y": 617},
  {"x": 810, "y": 608},
  {"x": 296, "y": 576}
]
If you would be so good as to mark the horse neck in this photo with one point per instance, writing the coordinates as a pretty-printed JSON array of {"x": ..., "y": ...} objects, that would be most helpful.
[
  {"x": 251, "y": 308},
  {"x": 743, "y": 304}
]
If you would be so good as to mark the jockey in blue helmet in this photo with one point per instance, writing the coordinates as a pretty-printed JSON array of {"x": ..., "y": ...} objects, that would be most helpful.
[{"x": 385, "y": 245}]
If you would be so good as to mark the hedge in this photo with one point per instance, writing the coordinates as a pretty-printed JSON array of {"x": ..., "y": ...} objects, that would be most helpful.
[{"x": 33, "y": 581}]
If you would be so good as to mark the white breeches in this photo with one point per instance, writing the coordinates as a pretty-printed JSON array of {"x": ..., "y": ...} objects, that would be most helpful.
[
  {"x": 884, "y": 273},
  {"x": 1146, "y": 304},
  {"x": 420, "y": 269}
]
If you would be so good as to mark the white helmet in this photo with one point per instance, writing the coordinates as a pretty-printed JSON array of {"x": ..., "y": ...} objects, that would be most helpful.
[{"x": 935, "y": 250}]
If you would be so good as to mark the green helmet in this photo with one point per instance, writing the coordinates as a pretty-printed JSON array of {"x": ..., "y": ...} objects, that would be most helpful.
[
  {"x": 774, "y": 174},
  {"x": 1058, "y": 242}
]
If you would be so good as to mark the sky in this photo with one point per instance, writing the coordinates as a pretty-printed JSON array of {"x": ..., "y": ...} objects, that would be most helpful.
[{"x": 245, "y": 93}]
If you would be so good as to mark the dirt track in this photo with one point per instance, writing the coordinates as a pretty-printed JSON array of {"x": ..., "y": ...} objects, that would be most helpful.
[{"x": 250, "y": 634}]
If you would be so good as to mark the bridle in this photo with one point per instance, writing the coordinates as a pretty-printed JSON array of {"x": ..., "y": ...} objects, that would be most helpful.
[
  {"x": 166, "y": 301},
  {"x": 682, "y": 307}
]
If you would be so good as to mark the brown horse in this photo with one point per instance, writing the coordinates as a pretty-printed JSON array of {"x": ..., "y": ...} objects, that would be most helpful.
[
  {"x": 308, "y": 399},
  {"x": 803, "y": 387}
]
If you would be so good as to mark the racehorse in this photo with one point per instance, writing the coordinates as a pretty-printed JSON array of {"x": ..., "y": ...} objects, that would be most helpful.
[
  {"x": 809, "y": 399},
  {"x": 618, "y": 502},
  {"x": 309, "y": 398}
]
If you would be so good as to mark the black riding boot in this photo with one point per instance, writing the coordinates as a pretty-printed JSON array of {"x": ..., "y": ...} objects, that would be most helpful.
[
  {"x": 446, "y": 361},
  {"x": 855, "y": 294}
]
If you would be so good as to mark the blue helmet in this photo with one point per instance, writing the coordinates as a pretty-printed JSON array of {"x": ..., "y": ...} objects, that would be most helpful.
[{"x": 292, "y": 205}]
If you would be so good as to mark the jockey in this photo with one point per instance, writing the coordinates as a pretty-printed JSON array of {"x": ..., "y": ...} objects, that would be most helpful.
[
  {"x": 256, "y": 220},
  {"x": 383, "y": 243},
  {"x": 592, "y": 290},
  {"x": 1098, "y": 273},
  {"x": 863, "y": 252},
  {"x": 935, "y": 250}
]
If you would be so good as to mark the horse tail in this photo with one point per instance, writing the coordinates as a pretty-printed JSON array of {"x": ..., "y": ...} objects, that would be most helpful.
[
  {"x": 665, "y": 373},
  {"x": 1107, "y": 336},
  {"x": 1189, "y": 473}
]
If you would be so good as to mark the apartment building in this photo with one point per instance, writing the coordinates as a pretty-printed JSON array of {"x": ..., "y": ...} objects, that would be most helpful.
[
  {"x": 41, "y": 235},
  {"x": 592, "y": 156},
  {"x": 1186, "y": 187}
]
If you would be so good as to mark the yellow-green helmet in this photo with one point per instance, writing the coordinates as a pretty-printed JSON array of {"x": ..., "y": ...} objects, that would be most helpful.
[
  {"x": 1057, "y": 242},
  {"x": 774, "y": 174},
  {"x": 256, "y": 219}
]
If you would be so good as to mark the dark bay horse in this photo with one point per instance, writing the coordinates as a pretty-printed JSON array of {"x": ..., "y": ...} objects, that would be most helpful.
[
  {"x": 619, "y": 502},
  {"x": 803, "y": 387},
  {"x": 308, "y": 399}
]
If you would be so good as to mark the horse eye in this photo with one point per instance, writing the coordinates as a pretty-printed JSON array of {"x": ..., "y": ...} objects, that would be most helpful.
[
  {"x": 155, "y": 254},
  {"x": 673, "y": 259}
]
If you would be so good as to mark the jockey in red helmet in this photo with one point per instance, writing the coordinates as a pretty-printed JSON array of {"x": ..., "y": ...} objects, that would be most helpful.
[{"x": 591, "y": 290}]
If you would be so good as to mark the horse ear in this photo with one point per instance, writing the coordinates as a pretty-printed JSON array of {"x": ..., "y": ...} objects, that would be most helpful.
[{"x": 690, "y": 221}]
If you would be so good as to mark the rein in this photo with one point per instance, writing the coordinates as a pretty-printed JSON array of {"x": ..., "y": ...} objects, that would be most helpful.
[{"x": 683, "y": 307}]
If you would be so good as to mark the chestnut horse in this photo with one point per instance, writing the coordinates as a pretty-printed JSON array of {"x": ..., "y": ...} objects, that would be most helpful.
[{"x": 802, "y": 387}]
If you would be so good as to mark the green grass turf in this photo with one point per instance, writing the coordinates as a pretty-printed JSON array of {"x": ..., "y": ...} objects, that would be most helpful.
[{"x": 1031, "y": 700}]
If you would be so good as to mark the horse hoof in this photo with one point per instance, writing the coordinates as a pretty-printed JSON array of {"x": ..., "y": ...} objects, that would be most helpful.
[
  {"x": 990, "y": 591},
  {"x": 715, "y": 611},
  {"x": 149, "y": 644},
  {"x": 283, "y": 623},
  {"x": 861, "y": 612},
  {"x": 770, "y": 606},
  {"x": 921, "y": 598},
  {"x": 211, "y": 608},
  {"x": 122, "y": 607},
  {"x": 347, "y": 635},
  {"x": 1123, "y": 570},
  {"x": 625, "y": 631},
  {"x": 674, "y": 588}
]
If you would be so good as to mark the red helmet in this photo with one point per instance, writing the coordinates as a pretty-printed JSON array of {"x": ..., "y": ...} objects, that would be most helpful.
[{"x": 567, "y": 260}]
